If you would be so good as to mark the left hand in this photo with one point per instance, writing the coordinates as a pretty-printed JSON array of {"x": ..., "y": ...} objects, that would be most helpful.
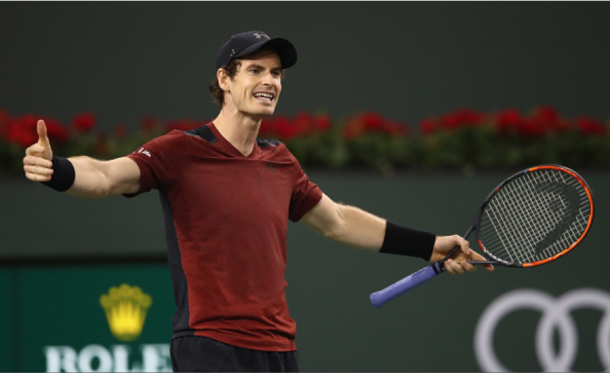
[{"x": 458, "y": 264}]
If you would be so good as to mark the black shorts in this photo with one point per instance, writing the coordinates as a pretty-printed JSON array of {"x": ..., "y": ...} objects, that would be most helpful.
[{"x": 203, "y": 354}]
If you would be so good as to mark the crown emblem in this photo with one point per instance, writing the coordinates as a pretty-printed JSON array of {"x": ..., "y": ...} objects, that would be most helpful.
[{"x": 125, "y": 308}]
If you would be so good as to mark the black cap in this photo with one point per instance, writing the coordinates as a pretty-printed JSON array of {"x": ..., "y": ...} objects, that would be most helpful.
[{"x": 248, "y": 42}]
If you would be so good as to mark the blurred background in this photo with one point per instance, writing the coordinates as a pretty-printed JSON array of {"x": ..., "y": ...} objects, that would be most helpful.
[{"x": 412, "y": 111}]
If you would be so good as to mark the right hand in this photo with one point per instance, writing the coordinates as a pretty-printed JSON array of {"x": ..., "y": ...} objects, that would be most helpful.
[
  {"x": 457, "y": 264},
  {"x": 37, "y": 162}
]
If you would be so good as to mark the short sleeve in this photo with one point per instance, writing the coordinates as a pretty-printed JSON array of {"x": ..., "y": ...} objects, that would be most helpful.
[
  {"x": 160, "y": 161},
  {"x": 305, "y": 194}
]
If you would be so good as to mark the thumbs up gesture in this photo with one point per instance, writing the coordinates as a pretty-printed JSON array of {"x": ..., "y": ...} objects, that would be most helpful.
[{"x": 37, "y": 162}]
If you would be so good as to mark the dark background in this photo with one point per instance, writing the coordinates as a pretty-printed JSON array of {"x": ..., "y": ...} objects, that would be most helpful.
[
  {"x": 406, "y": 60},
  {"x": 431, "y": 328}
]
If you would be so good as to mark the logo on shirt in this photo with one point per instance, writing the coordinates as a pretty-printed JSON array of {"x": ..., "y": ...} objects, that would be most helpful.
[
  {"x": 145, "y": 152},
  {"x": 270, "y": 167}
]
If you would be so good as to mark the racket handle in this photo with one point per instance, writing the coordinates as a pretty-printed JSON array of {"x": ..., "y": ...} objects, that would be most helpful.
[{"x": 383, "y": 296}]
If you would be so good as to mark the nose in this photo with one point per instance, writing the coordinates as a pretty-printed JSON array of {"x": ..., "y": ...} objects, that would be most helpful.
[{"x": 268, "y": 79}]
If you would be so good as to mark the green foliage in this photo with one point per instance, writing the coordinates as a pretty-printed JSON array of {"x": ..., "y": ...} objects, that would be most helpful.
[{"x": 464, "y": 138}]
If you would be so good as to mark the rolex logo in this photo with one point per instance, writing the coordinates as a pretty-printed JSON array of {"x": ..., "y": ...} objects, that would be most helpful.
[{"x": 125, "y": 309}]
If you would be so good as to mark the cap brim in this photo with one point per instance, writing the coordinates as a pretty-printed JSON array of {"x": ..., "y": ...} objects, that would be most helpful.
[{"x": 283, "y": 47}]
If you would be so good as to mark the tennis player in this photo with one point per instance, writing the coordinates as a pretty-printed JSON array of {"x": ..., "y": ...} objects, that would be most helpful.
[{"x": 227, "y": 198}]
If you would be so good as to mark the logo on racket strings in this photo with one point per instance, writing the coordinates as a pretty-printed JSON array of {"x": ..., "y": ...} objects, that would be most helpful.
[{"x": 562, "y": 207}]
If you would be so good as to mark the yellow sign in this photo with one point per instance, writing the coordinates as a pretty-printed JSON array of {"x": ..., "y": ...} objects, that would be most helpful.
[{"x": 126, "y": 308}]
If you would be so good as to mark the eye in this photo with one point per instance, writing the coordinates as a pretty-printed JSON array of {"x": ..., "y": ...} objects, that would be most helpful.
[
  {"x": 276, "y": 73},
  {"x": 254, "y": 70}
]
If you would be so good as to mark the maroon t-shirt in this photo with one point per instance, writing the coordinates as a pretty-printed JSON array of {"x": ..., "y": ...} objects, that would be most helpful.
[{"x": 226, "y": 218}]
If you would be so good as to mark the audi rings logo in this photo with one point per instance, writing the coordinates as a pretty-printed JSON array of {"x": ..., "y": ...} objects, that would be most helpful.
[{"x": 555, "y": 316}]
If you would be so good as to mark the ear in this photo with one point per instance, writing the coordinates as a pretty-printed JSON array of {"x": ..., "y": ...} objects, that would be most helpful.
[{"x": 223, "y": 79}]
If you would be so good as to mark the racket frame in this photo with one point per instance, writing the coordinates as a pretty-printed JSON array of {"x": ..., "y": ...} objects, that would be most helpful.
[
  {"x": 383, "y": 296},
  {"x": 497, "y": 261}
]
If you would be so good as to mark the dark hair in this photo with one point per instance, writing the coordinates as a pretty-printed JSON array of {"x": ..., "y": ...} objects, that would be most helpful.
[
  {"x": 217, "y": 93},
  {"x": 231, "y": 68}
]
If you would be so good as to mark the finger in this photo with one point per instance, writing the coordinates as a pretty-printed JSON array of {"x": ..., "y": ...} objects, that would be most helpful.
[
  {"x": 37, "y": 177},
  {"x": 476, "y": 256},
  {"x": 457, "y": 267},
  {"x": 41, "y": 128},
  {"x": 464, "y": 245},
  {"x": 38, "y": 170},
  {"x": 453, "y": 267},
  {"x": 35, "y": 149},
  {"x": 449, "y": 268},
  {"x": 32, "y": 160},
  {"x": 468, "y": 267}
]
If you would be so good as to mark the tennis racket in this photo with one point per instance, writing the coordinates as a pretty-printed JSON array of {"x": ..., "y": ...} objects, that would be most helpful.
[{"x": 534, "y": 217}]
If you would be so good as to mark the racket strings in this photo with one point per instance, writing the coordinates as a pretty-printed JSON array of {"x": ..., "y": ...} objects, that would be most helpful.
[
  {"x": 548, "y": 221},
  {"x": 519, "y": 220},
  {"x": 534, "y": 208},
  {"x": 534, "y": 217}
]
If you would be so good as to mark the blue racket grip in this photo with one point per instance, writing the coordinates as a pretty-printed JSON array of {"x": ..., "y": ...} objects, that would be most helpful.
[{"x": 383, "y": 296}]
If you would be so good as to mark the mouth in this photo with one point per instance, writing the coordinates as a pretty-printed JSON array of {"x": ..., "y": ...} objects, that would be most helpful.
[{"x": 265, "y": 96}]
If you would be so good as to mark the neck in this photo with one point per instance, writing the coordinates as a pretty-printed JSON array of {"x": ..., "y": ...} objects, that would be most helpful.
[{"x": 239, "y": 130}]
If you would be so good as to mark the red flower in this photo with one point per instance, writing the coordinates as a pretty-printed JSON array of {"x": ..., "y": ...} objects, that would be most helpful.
[
  {"x": 394, "y": 128},
  {"x": 120, "y": 131},
  {"x": 354, "y": 127},
  {"x": 372, "y": 121},
  {"x": 55, "y": 131},
  {"x": 84, "y": 122},
  {"x": 322, "y": 122},
  {"x": 285, "y": 129},
  {"x": 590, "y": 126},
  {"x": 4, "y": 122},
  {"x": 508, "y": 119},
  {"x": 449, "y": 121},
  {"x": 303, "y": 122},
  {"x": 469, "y": 117},
  {"x": 148, "y": 123},
  {"x": 22, "y": 131},
  {"x": 532, "y": 127},
  {"x": 550, "y": 119},
  {"x": 101, "y": 145},
  {"x": 460, "y": 118},
  {"x": 21, "y": 137},
  {"x": 427, "y": 126},
  {"x": 547, "y": 114}
]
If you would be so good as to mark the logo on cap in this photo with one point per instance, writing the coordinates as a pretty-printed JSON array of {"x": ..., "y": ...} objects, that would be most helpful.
[{"x": 259, "y": 35}]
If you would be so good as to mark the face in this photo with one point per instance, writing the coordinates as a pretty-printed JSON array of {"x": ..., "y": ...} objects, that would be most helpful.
[{"x": 255, "y": 88}]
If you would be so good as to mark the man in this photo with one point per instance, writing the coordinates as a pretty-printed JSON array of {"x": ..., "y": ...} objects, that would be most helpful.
[{"x": 227, "y": 197}]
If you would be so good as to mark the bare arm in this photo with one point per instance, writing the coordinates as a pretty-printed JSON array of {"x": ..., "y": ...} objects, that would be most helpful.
[
  {"x": 96, "y": 179},
  {"x": 93, "y": 178},
  {"x": 352, "y": 226},
  {"x": 346, "y": 224}
]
